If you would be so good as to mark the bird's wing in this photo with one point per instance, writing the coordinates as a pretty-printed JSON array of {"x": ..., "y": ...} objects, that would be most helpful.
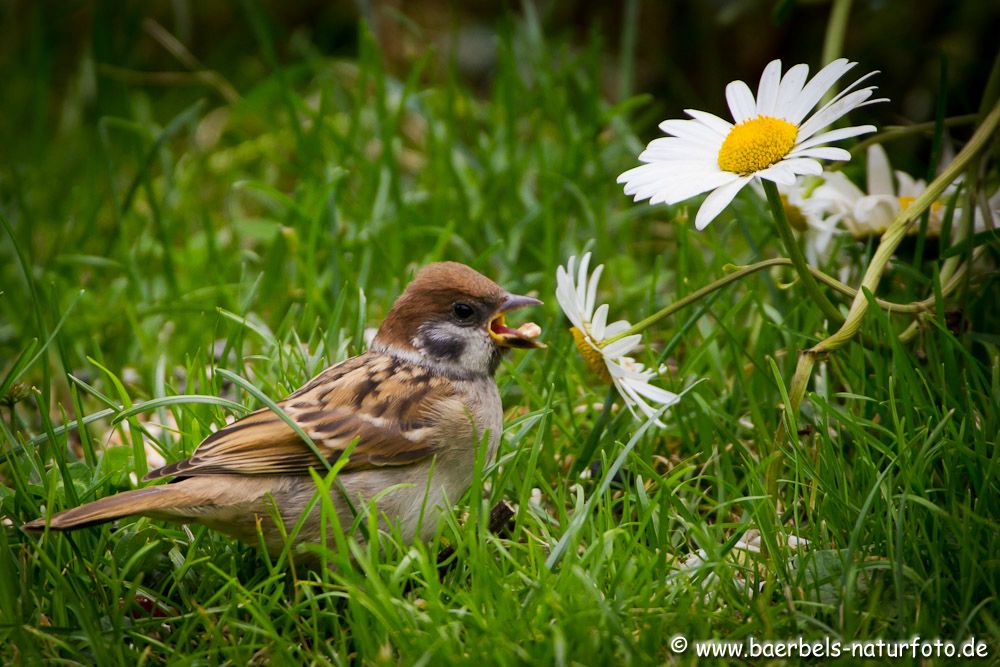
[{"x": 398, "y": 412}]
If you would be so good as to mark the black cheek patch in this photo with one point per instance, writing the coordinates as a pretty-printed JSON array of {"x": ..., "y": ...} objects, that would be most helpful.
[{"x": 444, "y": 348}]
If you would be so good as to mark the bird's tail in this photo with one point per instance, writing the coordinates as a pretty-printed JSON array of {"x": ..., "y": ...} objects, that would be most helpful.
[{"x": 139, "y": 501}]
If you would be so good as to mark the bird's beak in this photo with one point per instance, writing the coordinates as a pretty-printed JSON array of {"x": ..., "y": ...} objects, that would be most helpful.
[{"x": 522, "y": 337}]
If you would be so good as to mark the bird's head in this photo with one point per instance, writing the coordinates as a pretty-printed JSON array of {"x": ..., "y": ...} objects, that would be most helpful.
[{"x": 454, "y": 318}]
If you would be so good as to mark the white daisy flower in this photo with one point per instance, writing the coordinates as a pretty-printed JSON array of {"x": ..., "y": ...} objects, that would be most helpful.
[
  {"x": 870, "y": 213},
  {"x": 772, "y": 139},
  {"x": 819, "y": 231},
  {"x": 576, "y": 292},
  {"x": 750, "y": 543}
]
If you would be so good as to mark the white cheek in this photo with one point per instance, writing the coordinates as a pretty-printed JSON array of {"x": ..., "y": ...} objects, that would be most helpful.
[
  {"x": 478, "y": 345},
  {"x": 479, "y": 350}
]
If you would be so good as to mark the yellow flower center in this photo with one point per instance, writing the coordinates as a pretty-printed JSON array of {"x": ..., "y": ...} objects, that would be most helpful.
[
  {"x": 906, "y": 202},
  {"x": 756, "y": 144},
  {"x": 593, "y": 358}
]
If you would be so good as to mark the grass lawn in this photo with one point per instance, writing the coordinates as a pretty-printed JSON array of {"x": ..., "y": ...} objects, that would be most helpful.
[{"x": 160, "y": 259}]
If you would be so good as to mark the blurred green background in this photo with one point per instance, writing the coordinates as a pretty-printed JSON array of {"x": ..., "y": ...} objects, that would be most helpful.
[
  {"x": 76, "y": 73},
  {"x": 67, "y": 64}
]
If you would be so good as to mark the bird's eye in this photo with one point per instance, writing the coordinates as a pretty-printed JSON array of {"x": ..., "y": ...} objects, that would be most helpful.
[{"x": 463, "y": 311}]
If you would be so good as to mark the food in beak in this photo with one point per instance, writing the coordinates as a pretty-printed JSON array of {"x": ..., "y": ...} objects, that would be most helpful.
[{"x": 522, "y": 337}]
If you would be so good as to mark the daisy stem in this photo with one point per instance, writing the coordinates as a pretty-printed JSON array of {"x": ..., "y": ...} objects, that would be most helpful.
[
  {"x": 897, "y": 230},
  {"x": 694, "y": 297},
  {"x": 738, "y": 272},
  {"x": 796, "y": 392},
  {"x": 795, "y": 254},
  {"x": 912, "y": 308}
]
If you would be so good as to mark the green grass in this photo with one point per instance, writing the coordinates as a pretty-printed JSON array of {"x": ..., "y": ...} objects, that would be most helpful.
[{"x": 157, "y": 244}]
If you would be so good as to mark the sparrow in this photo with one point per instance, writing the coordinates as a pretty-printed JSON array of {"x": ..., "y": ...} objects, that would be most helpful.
[{"x": 416, "y": 407}]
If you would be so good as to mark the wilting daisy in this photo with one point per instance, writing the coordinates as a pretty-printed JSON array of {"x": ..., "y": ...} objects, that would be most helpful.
[
  {"x": 870, "y": 213},
  {"x": 576, "y": 291},
  {"x": 750, "y": 543},
  {"x": 772, "y": 139}
]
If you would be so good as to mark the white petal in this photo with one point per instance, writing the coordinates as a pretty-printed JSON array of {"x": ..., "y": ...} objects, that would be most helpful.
[
  {"x": 616, "y": 328},
  {"x": 802, "y": 166},
  {"x": 879, "y": 172},
  {"x": 637, "y": 178},
  {"x": 567, "y": 301},
  {"x": 672, "y": 148},
  {"x": 638, "y": 174},
  {"x": 649, "y": 182},
  {"x": 767, "y": 89},
  {"x": 720, "y": 125},
  {"x": 564, "y": 289},
  {"x": 621, "y": 366},
  {"x": 878, "y": 100},
  {"x": 876, "y": 212},
  {"x": 629, "y": 397},
  {"x": 620, "y": 348},
  {"x": 717, "y": 201},
  {"x": 908, "y": 186},
  {"x": 564, "y": 276},
  {"x": 633, "y": 400},
  {"x": 816, "y": 88},
  {"x": 778, "y": 173},
  {"x": 581, "y": 286},
  {"x": 655, "y": 393},
  {"x": 839, "y": 187},
  {"x": 852, "y": 86},
  {"x": 860, "y": 100},
  {"x": 680, "y": 154},
  {"x": 598, "y": 325},
  {"x": 650, "y": 173},
  {"x": 692, "y": 130},
  {"x": 588, "y": 307},
  {"x": 832, "y": 112},
  {"x": 566, "y": 294},
  {"x": 835, "y": 135},
  {"x": 857, "y": 83},
  {"x": 741, "y": 103},
  {"x": 821, "y": 153},
  {"x": 673, "y": 182},
  {"x": 560, "y": 298},
  {"x": 790, "y": 88},
  {"x": 560, "y": 276},
  {"x": 795, "y": 541},
  {"x": 628, "y": 392},
  {"x": 677, "y": 190}
]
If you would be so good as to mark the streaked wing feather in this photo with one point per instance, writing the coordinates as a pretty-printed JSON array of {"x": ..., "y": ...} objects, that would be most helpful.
[{"x": 389, "y": 406}]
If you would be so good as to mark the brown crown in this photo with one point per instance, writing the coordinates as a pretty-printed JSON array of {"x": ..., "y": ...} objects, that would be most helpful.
[{"x": 432, "y": 293}]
